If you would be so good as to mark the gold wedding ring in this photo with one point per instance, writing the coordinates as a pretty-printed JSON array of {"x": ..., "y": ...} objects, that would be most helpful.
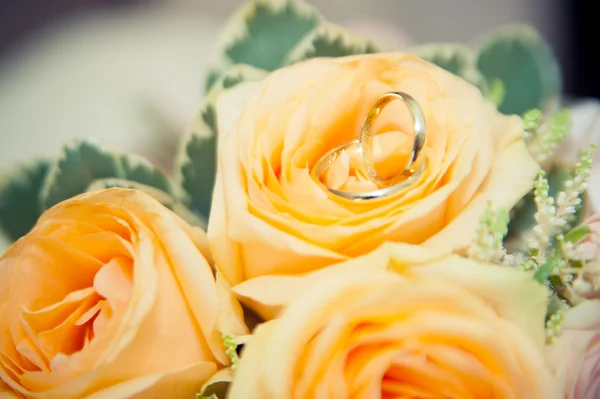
[
  {"x": 366, "y": 134},
  {"x": 363, "y": 147}
]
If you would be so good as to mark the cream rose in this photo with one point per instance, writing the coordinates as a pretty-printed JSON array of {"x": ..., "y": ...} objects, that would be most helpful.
[
  {"x": 270, "y": 217},
  {"x": 400, "y": 322},
  {"x": 111, "y": 296},
  {"x": 576, "y": 354}
]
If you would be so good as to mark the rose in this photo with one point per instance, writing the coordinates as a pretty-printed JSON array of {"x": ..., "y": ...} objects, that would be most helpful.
[
  {"x": 111, "y": 296},
  {"x": 402, "y": 321},
  {"x": 270, "y": 217},
  {"x": 576, "y": 354}
]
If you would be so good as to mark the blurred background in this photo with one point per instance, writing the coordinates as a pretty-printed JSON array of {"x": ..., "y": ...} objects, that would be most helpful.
[{"x": 130, "y": 72}]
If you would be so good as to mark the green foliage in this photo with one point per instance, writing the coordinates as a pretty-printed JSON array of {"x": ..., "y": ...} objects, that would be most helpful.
[
  {"x": 197, "y": 160},
  {"x": 198, "y": 170},
  {"x": 270, "y": 34},
  {"x": 516, "y": 56},
  {"x": 458, "y": 59},
  {"x": 262, "y": 33},
  {"x": 84, "y": 162},
  {"x": 496, "y": 92},
  {"x": 270, "y": 29},
  {"x": 513, "y": 66},
  {"x": 19, "y": 198},
  {"x": 330, "y": 40},
  {"x": 140, "y": 170},
  {"x": 542, "y": 273},
  {"x": 524, "y": 62},
  {"x": 577, "y": 234}
]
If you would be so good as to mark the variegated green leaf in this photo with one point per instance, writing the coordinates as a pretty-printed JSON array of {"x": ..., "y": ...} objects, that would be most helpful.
[
  {"x": 458, "y": 59},
  {"x": 19, "y": 198},
  {"x": 262, "y": 33},
  {"x": 526, "y": 65},
  {"x": 330, "y": 40},
  {"x": 197, "y": 160},
  {"x": 85, "y": 161},
  {"x": 140, "y": 170}
]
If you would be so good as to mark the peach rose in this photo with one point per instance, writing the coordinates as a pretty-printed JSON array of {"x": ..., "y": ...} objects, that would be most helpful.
[
  {"x": 576, "y": 354},
  {"x": 111, "y": 296},
  {"x": 270, "y": 216},
  {"x": 400, "y": 322}
]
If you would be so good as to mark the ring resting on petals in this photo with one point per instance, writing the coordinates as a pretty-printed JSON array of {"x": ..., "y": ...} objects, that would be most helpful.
[{"x": 364, "y": 148}]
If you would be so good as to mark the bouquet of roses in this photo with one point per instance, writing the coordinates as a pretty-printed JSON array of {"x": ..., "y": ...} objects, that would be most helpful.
[{"x": 343, "y": 222}]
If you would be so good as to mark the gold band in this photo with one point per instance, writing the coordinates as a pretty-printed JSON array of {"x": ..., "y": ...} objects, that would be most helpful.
[
  {"x": 363, "y": 147},
  {"x": 354, "y": 146},
  {"x": 366, "y": 134}
]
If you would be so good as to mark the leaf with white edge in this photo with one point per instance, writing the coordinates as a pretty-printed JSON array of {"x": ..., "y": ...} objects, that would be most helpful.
[
  {"x": 212, "y": 77},
  {"x": 330, "y": 40},
  {"x": 85, "y": 161},
  {"x": 239, "y": 74},
  {"x": 262, "y": 33},
  {"x": 526, "y": 65},
  {"x": 19, "y": 198},
  {"x": 454, "y": 58},
  {"x": 166, "y": 199},
  {"x": 197, "y": 160},
  {"x": 79, "y": 164},
  {"x": 141, "y": 170}
]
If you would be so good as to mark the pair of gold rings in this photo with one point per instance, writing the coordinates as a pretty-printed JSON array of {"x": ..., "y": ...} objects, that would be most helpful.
[{"x": 364, "y": 147}]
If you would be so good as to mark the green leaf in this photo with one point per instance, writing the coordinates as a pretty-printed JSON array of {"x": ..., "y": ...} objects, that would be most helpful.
[
  {"x": 544, "y": 271},
  {"x": 458, "y": 59},
  {"x": 19, "y": 198},
  {"x": 141, "y": 170},
  {"x": 85, "y": 161},
  {"x": 212, "y": 77},
  {"x": 236, "y": 75},
  {"x": 198, "y": 169},
  {"x": 330, "y": 40},
  {"x": 524, "y": 62},
  {"x": 165, "y": 198},
  {"x": 263, "y": 32},
  {"x": 577, "y": 234},
  {"x": 197, "y": 161},
  {"x": 496, "y": 92},
  {"x": 78, "y": 165}
]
